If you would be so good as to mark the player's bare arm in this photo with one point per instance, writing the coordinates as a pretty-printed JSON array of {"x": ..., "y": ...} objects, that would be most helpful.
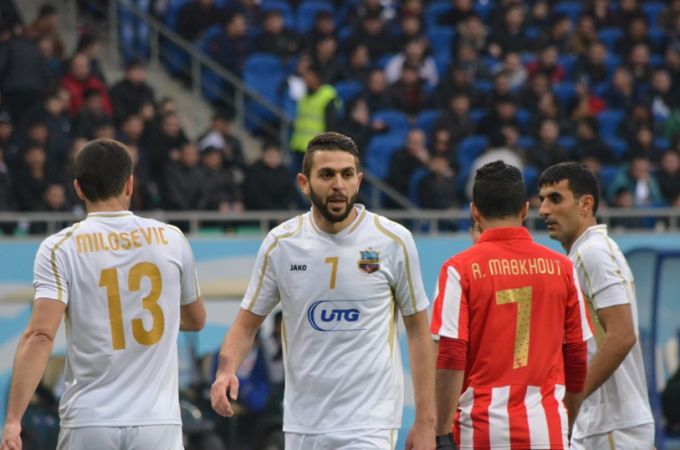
[
  {"x": 192, "y": 316},
  {"x": 449, "y": 384},
  {"x": 237, "y": 343},
  {"x": 422, "y": 371},
  {"x": 619, "y": 338},
  {"x": 33, "y": 352}
]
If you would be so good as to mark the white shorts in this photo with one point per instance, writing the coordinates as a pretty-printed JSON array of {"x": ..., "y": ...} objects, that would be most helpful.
[
  {"x": 148, "y": 437},
  {"x": 640, "y": 437},
  {"x": 375, "y": 439}
]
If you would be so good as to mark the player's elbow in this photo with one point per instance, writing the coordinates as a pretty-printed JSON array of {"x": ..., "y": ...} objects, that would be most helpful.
[
  {"x": 627, "y": 340},
  {"x": 194, "y": 323},
  {"x": 38, "y": 337}
]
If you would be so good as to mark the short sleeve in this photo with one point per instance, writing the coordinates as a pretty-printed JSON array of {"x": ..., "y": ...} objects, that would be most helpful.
[
  {"x": 578, "y": 327},
  {"x": 262, "y": 294},
  {"x": 189, "y": 279},
  {"x": 599, "y": 272},
  {"x": 450, "y": 311},
  {"x": 50, "y": 277},
  {"x": 409, "y": 290}
]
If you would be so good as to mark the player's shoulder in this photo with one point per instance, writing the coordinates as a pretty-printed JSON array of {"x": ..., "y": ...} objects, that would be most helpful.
[
  {"x": 58, "y": 239},
  {"x": 288, "y": 229},
  {"x": 388, "y": 227}
]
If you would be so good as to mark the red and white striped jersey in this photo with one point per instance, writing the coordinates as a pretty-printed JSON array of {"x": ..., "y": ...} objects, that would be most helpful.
[{"x": 514, "y": 303}]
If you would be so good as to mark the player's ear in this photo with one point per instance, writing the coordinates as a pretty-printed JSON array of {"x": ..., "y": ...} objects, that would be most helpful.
[
  {"x": 475, "y": 213},
  {"x": 129, "y": 184},
  {"x": 525, "y": 211},
  {"x": 79, "y": 192},
  {"x": 303, "y": 182},
  {"x": 587, "y": 202}
]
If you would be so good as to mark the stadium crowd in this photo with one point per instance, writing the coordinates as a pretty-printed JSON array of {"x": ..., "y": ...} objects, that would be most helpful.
[{"x": 429, "y": 90}]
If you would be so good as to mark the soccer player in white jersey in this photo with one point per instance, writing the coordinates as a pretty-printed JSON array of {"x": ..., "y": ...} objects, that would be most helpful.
[
  {"x": 126, "y": 285},
  {"x": 342, "y": 274},
  {"x": 616, "y": 412}
]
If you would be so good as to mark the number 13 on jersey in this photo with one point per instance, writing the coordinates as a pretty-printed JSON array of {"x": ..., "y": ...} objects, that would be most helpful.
[{"x": 109, "y": 280}]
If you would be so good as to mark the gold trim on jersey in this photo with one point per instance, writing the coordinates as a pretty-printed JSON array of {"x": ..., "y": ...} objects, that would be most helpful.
[
  {"x": 392, "y": 443},
  {"x": 265, "y": 263},
  {"x": 582, "y": 265},
  {"x": 284, "y": 335},
  {"x": 407, "y": 265},
  {"x": 53, "y": 261},
  {"x": 619, "y": 272},
  {"x": 358, "y": 220},
  {"x": 597, "y": 325},
  {"x": 193, "y": 260},
  {"x": 610, "y": 440},
  {"x": 393, "y": 325}
]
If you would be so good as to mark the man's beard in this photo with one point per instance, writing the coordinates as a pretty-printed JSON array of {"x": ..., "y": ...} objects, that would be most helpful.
[{"x": 325, "y": 211}]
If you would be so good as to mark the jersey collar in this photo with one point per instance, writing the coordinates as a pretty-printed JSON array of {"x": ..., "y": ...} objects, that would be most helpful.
[
  {"x": 361, "y": 213},
  {"x": 505, "y": 234},
  {"x": 109, "y": 214},
  {"x": 601, "y": 229}
]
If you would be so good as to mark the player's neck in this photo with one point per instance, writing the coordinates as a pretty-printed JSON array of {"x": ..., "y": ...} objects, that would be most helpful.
[
  {"x": 500, "y": 223},
  {"x": 333, "y": 227},
  {"x": 587, "y": 223},
  {"x": 114, "y": 204}
]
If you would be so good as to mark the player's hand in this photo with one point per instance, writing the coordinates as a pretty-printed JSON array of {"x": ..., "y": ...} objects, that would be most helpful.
[
  {"x": 223, "y": 385},
  {"x": 11, "y": 437},
  {"x": 421, "y": 437},
  {"x": 446, "y": 442}
]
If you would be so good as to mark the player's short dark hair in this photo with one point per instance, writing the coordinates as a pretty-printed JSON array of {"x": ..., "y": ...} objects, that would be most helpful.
[
  {"x": 102, "y": 167},
  {"x": 581, "y": 180},
  {"x": 499, "y": 190},
  {"x": 328, "y": 141}
]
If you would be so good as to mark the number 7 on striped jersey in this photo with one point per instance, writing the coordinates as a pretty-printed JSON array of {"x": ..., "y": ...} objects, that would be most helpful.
[{"x": 521, "y": 296}]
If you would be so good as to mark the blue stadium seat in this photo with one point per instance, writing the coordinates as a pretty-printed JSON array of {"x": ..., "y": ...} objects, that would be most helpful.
[
  {"x": 443, "y": 62},
  {"x": 607, "y": 174},
  {"x": 658, "y": 38},
  {"x": 483, "y": 86},
  {"x": 612, "y": 61},
  {"x": 396, "y": 120},
  {"x": 568, "y": 62},
  {"x": 569, "y": 8},
  {"x": 470, "y": 148},
  {"x": 530, "y": 174},
  {"x": 380, "y": 150},
  {"x": 426, "y": 119},
  {"x": 524, "y": 117},
  {"x": 477, "y": 114},
  {"x": 526, "y": 142},
  {"x": 617, "y": 145},
  {"x": 533, "y": 33},
  {"x": 609, "y": 120},
  {"x": 652, "y": 10},
  {"x": 441, "y": 39},
  {"x": 568, "y": 142},
  {"x": 413, "y": 184},
  {"x": 434, "y": 10},
  {"x": 483, "y": 8},
  {"x": 610, "y": 36},
  {"x": 264, "y": 73},
  {"x": 211, "y": 83},
  {"x": 382, "y": 62},
  {"x": 282, "y": 6},
  {"x": 307, "y": 11},
  {"x": 175, "y": 59},
  {"x": 564, "y": 92},
  {"x": 348, "y": 89},
  {"x": 662, "y": 143}
]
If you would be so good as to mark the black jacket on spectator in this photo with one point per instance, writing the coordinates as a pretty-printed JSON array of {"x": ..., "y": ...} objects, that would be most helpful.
[
  {"x": 402, "y": 166},
  {"x": 544, "y": 155},
  {"x": 267, "y": 188},
  {"x": 594, "y": 148},
  {"x": 184, "y": 187},
  {"x": 437, "y": 192},
  {"x": 220, "y": 187},
  {"x": 283, "y": 44},
  {"x": 193, "y": 19},
  {"x": 127, "y": 99}
]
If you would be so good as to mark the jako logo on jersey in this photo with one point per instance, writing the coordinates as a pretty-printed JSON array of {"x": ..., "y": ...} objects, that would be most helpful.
[
  {"x": 369, "y": 261},
  {"x": 334, "y": 315},
  {"x": 298, "y": 267}
]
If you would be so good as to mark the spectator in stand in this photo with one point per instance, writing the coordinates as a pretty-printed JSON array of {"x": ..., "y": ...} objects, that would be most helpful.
[
  {"x": 501, "y": 91},
  {"x": 91, "y": 114},
  {"x": 512, "y": 36},
  {"x": 9, "y": 146},
  {"x": 462, "y": 10},
  {"x": 514, "y": 69},
  {"x": 54, "y": 63},
  {"x": 366, "y": 8},
  {"x": 602, "y": 13},
  {"x": 585, "y": 35},
  {"x": 592, "y": 68},
  {"x": 275, "y": 38},
  {"x": 455, "y": 119},
  {"x": 443, "y": 144},
  {"x": 409, "y": 93},
  {"x": 268, "y": 184},
  {"x": 469, "y": 60},
  {"x": 472, "y": 32},
  {"x": 499, "y": 149},
  {"x": 637, "y": 177},
  {"x": 410, "y": 27},
  {"x": 669, "y": 17},
  {"x": 623, "y": 199},
  {"x": 165, "y": 144},
  {"x": 585, "y": 103},
  {"x": 621, "y": 94},
  {"x": 326, "y": 60},
  {"x": 358, "y": 65},
  {"x": 145, "y": 192},
  {"x": 80, "y": 79},
  {"x": 10, "y": 20},
  {"x": 539, "y": 15},
  {"x": 222, "y": 193},
  {"x": 46, "y": 24},
  {"x": 503, "y": 113},
  {"x": 405, "y": 162},
  {"x": 672, "y": 63},
  {"x": 643, "y": 145},
  {"x": 130, "y": 93},
  {"x": 39, "y": 133},
  {"x": 640, "y": 68},
  {"x": 668, "y": 177},
  {"x": 661, "y": 96},
  {"x": 220, "y": 135},
  {"x": 184, "y": 185},
  {"x": 547, "y": 151},
  {"x": 533, "y": 91},
  {"x": 250, "y": 9},
  {"x": 131, "y": 133},
  {"x": 324, "y": 26},
  {"x": 52, "y": 112},
  {"x": 415, "y": 54},
  {"x": 629, "y": 10},
  {"x": 639, "y": 116},
  {"x": 457, "y": 80},
  {"x": 548, "y": 65},
  {"x": 25, "y": 77},
  {"x": 230, "y": 48},
  {"x": 7, "y": 197},
  {"x": 316, "y": 113},
  {"x": 559, "y": 33},
  {"x": 104, "y": 129},
  {"x": 437, "y": 189},
  {"x": 197, "y": 16},
  {"x": 32, "y": 178},
  {"x": 589, "y": 144},
  {"x": 372, "y": 33},
  {"x": 357, "y": 123},
  {"x": 90, "y": 45},
  {"x": 54, "y": 201}
]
